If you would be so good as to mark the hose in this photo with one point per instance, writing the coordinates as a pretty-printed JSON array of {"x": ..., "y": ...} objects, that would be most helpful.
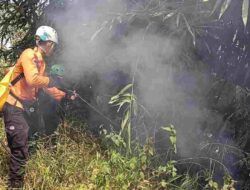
[{"x": 94, "y": 108}]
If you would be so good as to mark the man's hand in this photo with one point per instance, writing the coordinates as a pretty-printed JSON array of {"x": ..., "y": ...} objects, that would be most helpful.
[
  {"x": 74, "y": 95},
  {"x": 71, "y": 95}
]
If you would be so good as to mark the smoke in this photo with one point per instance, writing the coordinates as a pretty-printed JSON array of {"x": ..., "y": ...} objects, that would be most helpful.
[{"x": 96, "y": 40}]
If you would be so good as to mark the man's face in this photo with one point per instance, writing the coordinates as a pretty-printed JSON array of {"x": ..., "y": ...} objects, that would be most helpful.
[{"x": 49, "y": 48}]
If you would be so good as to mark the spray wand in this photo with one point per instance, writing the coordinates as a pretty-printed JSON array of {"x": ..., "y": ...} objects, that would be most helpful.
[{"x": 74, "y": 93}]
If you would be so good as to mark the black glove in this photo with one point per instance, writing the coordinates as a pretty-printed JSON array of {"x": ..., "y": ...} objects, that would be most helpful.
[{"x": 70, "y": 94}]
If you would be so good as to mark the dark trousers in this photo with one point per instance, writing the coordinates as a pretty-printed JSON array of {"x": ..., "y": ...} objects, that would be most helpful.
[
  {"x": 21, "y": 127},
  {"x": 17, "y": 130}
]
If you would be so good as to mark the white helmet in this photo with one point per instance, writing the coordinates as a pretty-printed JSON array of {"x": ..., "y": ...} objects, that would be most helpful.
[{"x": 46, "y": 33}]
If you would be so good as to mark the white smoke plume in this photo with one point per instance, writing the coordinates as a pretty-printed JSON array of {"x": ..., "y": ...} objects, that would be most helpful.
[{"x": 96, "y": 40}]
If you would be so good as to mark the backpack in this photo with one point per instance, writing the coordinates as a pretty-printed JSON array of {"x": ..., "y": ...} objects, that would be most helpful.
[{"x": 5, "y": 84}]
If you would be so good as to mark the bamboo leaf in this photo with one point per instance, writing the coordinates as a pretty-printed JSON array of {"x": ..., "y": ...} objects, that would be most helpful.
[
  {"x": 125, "y": 89},
  {"x": 172, "y": 136},
  {"x": 166, "y": 129},
  {"x": 127, "y": 95},
  {"x": 173, "y": 142},
  {"x": 189, "y": 29},
  {"x": 129, "y": 135},
  {"x": 245, "y": 11},
  {"x": 124, "y": 97},
  {"x": 121, "y": 101},
  {"x": 224, "y": 7},
  {"x": 121, "y": 106},
  {"x": 125, "y": 120},
  {"x": 114, "y": 97},
  {"x": 95, "y": 34},
  {"x": 98, "y": 31},
  {"x": 135, "y": 108},
  {"x": 178, "y": 20},
  {"x": 169, "y": 15},
  {"x": 217, "y": 6}
]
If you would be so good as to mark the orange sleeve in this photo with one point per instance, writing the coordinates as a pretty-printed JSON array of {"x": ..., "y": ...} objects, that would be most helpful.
[
  {"x": 30, "y": 70},
  {"x": 55, "y": 93}
]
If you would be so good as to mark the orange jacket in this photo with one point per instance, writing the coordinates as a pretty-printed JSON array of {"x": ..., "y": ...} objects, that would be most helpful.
[{"x": 32, "y": 64}]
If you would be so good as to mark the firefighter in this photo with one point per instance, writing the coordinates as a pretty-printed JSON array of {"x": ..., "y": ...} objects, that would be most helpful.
[
  {"x": 28, "y": 77},
  {"x": 52, "y": 110}
]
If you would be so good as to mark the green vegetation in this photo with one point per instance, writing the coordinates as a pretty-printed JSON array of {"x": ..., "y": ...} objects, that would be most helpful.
[{"x": 78, "y": 160}]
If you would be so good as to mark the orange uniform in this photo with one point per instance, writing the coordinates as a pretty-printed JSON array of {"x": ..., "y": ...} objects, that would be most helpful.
[{"x": 32, "y": 64}]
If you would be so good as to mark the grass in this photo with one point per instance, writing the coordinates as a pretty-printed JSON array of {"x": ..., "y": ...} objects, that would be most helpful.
[
  {"x": 64, "y": 166},
  {"x": 3, "y": 160},
  {"x": 78, "y": 161},
  {"x": 60, "y": 167}
]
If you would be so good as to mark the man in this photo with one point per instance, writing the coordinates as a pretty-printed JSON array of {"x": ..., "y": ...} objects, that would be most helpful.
[
  {"x": 28, "y": 77},
  {"x": 51, "y": 109}
]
